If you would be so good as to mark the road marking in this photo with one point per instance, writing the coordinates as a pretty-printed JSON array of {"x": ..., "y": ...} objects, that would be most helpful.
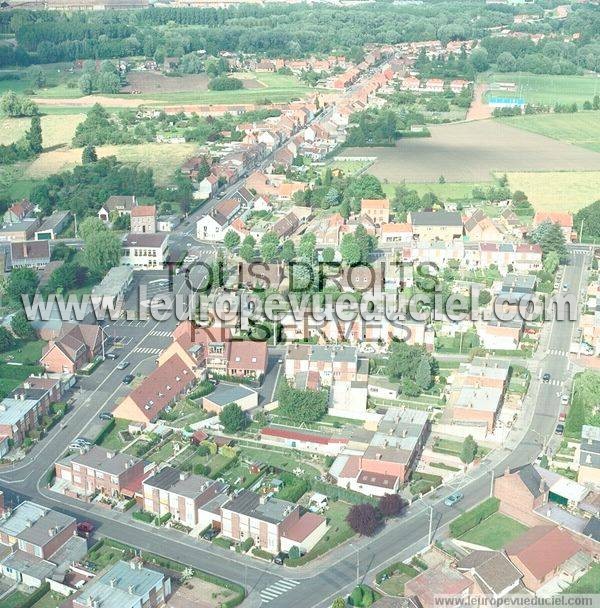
[
  {"x": 148, "y": 351},
  {"x": 276, "y": 589},
  {"x": 162, "y": 334}
]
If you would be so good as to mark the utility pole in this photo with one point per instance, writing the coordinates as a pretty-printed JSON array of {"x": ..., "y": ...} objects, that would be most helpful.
[
  {"x": 492, "y": 483},
  {"x": 430, "y": 535}
]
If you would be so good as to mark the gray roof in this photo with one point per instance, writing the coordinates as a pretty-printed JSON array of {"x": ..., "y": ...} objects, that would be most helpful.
[
  {"x": 114, "y": 283},
  {"x": 122, "y": 586},
  {"x": 13, "y": 410},
  {"x": 41, "y": 531},
  {"x": 492, "y": 568},
  {"x": 147, "y": 239},
  {"x": 592, "y": 529},
  {"x": 173, "y": 480},
  {"x": 54, "y": 221},
  {"x": 33, "y": 566},
  {"x": 436, "y": 218},
  {"x": 271, "y": 510},
  {"x": 518, "y": 283},
  {"x": 228, "y": 393},
  {"x": 531, "y": 478},
  {"x": 18, "y": 519},
  {"x": 103, "y": 460}
]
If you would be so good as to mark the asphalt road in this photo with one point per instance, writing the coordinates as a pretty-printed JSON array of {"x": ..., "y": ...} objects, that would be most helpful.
[{"x": 318, "y": 583}]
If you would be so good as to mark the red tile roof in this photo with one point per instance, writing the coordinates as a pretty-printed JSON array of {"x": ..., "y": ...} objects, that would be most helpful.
[
  {"x": 245, "y": 354},
  {"x": 306, "y": 525},
  {"x": 542, "y": 549},
  {"x": 143, "y": 211},
  {"x": 564, "y": 220},
  {"x": 308, "y": 437}
]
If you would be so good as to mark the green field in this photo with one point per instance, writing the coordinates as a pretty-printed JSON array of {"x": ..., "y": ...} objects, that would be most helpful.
[
  {"x": 446, "y": 191},
  {"x": 557, "y": 190},
  {"x": 581, "y": 129},
  {"x": 546, "y": 89},
  {"x": 57, "y": 130},
  {"x": 494, "y": 532}
]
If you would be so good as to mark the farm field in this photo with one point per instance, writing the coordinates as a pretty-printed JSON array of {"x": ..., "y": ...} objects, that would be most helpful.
[
  {"x": 57, "y": 130},
  {"x": 557, "y": 190},
  {"x": 581, "y": 129},
  {"x": 163, "y": 159},
  {"x": 472, "y": 152},
  {"x": 546, "y": 89},
  {"x": 446, "y": 191}
]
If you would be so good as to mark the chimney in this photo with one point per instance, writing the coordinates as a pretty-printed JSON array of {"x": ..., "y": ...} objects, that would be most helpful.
[
  {"x": 25, "y": 250},
  {"x": 263, "y": 499},
  {"x": 131, "y": 589},
  {"x": 109, "y": 455},
  {"x": 113, "y": 582}
]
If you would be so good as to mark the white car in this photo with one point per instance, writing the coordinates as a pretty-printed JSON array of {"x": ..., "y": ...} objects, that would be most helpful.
[{"x": 564, "y": 400}]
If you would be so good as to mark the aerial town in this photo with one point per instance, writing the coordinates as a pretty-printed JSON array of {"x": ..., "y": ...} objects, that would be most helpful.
[{"x": 300, "y": 303}]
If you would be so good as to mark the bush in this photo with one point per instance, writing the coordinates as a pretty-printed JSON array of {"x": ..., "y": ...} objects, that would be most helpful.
[
  {"x": 247, "y": 545},
  {"x": 262, "y": 554},
  {"x": 221, "y": 541},
  {"x": 222, "y": 83},
  {"x": 144, "y": 516},
  {"x": 364, "y": 519},
  {"x": 295, "y": 552},
  {"x": 473, "y": 517}
]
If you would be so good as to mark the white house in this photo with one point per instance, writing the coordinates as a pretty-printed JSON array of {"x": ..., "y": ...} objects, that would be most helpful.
[
  {"x": 213, "y": 227},
  {"x": 207, "y": 187},
  {"x": 145, "y": 250}
]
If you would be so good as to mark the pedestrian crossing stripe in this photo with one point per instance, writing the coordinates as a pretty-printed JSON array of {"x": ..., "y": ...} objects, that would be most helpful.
[
  {"x": 161, "y": 334},
  {"x": 147, "y": 350},
  {"x": 276, "y": 589},
  {"x": 555, "y": 351}
]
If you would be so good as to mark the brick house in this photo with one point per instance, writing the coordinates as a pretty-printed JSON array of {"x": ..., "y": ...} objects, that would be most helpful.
[
  {"x": 436, "y": 225},
  {"x": 75, "y": 347},
  {"x": 540, "y": 554},
  {"x": 143, "y": 219},
  {"x": 29, "y": 254},
  {"x": 520, "y": 492},
  {"x": 376, "y": 209},
  {"x": 100, "y": 470},
  {"x": 180, "y": 494}
]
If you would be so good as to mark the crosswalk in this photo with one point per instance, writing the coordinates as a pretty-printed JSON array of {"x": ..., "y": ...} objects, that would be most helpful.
[
  {"x": 276, "y": 589},
  {"x": 556, "y": 351},
  {"x": 554, "y": 382},
  {"x": 161, "y": 334},
  {"x": 147, "y": 350}
]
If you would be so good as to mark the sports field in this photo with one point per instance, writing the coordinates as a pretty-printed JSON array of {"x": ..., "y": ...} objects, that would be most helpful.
[
  {"x": 473, "y": 152},
  {"x": 546, "y": 89},
  {"x": 558, "y": 190},
  {"x": 581, "y": 129}
]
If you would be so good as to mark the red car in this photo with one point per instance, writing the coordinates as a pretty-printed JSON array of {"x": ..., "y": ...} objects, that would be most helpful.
[{"x": 85, "y": 529}]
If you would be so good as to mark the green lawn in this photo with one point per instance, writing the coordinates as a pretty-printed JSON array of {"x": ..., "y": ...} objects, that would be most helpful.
[
  {"x": 50, "y": 600},
  {"x": 581, "y": 129},
  {"x": 395, "y": 584},
  {"x": 27, "y": 352},
  {"x": 285, "y": 461},
  {"x": 547, "y": 89},
  {"x": 338, "y": 531},
  {"x": 105, "y": 555},
  {"x": 15, "y": 599},
  {"x": 112, "y": 441},
  {"x": 583, "y": 408},
  {"x": 588, "y": 583},
  {"x": 495, "y": 532}
]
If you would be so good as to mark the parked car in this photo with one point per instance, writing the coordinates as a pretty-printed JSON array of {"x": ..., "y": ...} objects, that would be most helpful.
[
  {"x": 112, "y": 356},
  {"x": 564, "y": 400},
  {"x": 128, "y": 379},
  {"x": 546, "y": 377},
  {"x": 562, "y": 417},
  {"x": 83, "y": 440},
  {"x": 560, "y": 429},
  {"x": 453, "y": 499},
  {"x": 209, "y": 534},
  {"x": 280, "y": 558},
  {"x": 105, "y": 416},
  {"x": 123, "y": 365},
  {"x": 85, "y": 529}
]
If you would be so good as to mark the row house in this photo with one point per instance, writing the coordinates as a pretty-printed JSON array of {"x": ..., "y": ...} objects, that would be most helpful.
[
  {"x": 274, "y": 525},
  {"x": 214, "y": 226},
  {"x": 98, "y": 470},
  {"x": 333, "y": 363},
  {"x": 167, "y": 383},
  {"x": 126, "y": 584},
  {"x": 180, "y": 494},
  {"x": 212, "y": 350}
]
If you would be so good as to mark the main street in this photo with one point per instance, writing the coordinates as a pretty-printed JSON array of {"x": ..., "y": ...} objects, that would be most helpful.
[{"x": 316, "y": 584}]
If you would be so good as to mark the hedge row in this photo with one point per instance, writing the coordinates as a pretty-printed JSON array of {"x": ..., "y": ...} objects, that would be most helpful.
[
  {"x": 105, "y": 431},
  {"x": 469, "y": 519},
  {"x": 32, "y": 599}
]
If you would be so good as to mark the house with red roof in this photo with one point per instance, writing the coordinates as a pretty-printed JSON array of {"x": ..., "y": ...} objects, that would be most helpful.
[
  {"x": 564, "y": 220},
  {"x": 143, "y": 219},
  {"x": 17, "y": 212},
  {"x": 541, "y": 553},
  {"x": 303, "y": 440},
  {"x": 158, "y": 390},
  {"x": 441, "y": 580},
  {"x": 75, "y": 347}
]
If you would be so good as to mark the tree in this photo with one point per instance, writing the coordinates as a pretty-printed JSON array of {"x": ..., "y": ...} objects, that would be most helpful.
[
  {"x": 294, "y": 552},
  {"x": 33, "y": 136},
  {"x": 231, "y": 240},
  {"x": 247, "y": 248},
  {"x": 423, "y": 376},
  {"x": 350, "y": 250},
  {"x": 468, "y": 450},
  {"x": 86, "y": 83},
  {"x": 22, "y": 281},
  {"x": 390, "y": 505},
  {"x": 62, "y": 251},
  {"x": 91, "y": 226},
  {"x": 302, "y": 406},
  {"x": 587, "y": 221},
  {"x": 328, "y": 255},
  {"x": 102, "y": 252},
  {"x": 89, "y": 155},
  {"x": 551, "y": 262},
  {"x": 66, "y": 277},
  {"x": 39, "y": 78},
  {"x": 21, "y": 326},
  {"x": 288, "y": 251},
  {"x": 7, "y": 340},
  {"x": 506, "y": 62},
  {"x": 403, "y": 360},
  {"x": 15, "y": 106},
  {"x": 363, "y": 519},
  {"x": 269, "y": 244},
  {"x": 232, "y": 418},
  {"x": 479, "y": 59},
  {"x": 550, "y": 237},
  {"x": 485, "y": 297},
  {"x": 306, "y": 248},
  {"x": 339, "y": 602}
]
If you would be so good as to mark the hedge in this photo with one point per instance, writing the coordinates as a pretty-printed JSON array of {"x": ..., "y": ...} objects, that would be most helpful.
[
  {"x": 220, "y": 541},
  {"x": 143, "y": 516},
  {"x": 473, "y": 517},
  {"x": 101, "y": 436},
  {"x": 262, "y": 554}
]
